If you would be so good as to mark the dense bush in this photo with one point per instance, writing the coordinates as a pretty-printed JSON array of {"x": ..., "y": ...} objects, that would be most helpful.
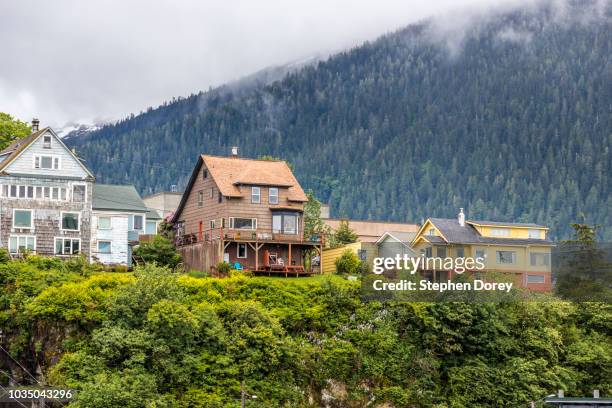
[
  {"x": 348, "y": 263},
  {"x": 158, "y": 339},
  {"x": 159, "y": 250}
]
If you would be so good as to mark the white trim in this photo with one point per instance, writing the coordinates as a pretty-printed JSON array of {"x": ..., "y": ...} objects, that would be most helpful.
[
  {"x": 71, "y": 239},
  {"x": 253, "y": 223},
  {"x": 72, "y": 193},
  {"x": 270, "y": 195},
  {"x": 31, "y": 218},
  {"x": 246, "y": 250},
  {"x": 53, "y": 158},
  {"x": 62, "y": 221},
  {"x": 258, "y": 195},
  {"x": 8, "y": 243}
]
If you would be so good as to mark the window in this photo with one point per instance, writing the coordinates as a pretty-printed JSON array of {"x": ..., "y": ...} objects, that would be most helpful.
[
  {"x": 46, "y": 162},
  {"x": 535, "y": 279},
  {"x": 70, "y": 221},
  {"x": 211, "y": 193},
  {"x": 67, "y": 246},
  {"x": 432, "y": 231},
  {"x": 22, "y": 191},
  {"x": 39, "y": 192},
  {"x": 441, "y": 252},
  {"x": 480, "y": 253},
  {"x": 20, "y": 243},
  {"x": 273, "y": 195},
  {"x": 506, "y": 257},
  {"x": 220, "y": 198},
  {"x": 539, "y": 259},
  {"x": 200, "y": 198},
  {"x": 500, "y": 232},
  {"x": 204, "y": 173},
  {"x": 460, "y": 252},
  {"x": 13, "y": 191},
  {"x": 243, "y": 223},
  {"x": 46, "y": 142},
  {"x": 47, "y": 192},
  {"x": 285, "y": 223},
  {"x": 104, "y": 223},
  {"x": 22, "y": 218},
  {"x": 137, "y": 222},
  {"x": 55, "y": 193},
  {"x": 428, "y": 252},
  {"x": 151, "y": 228},
  {"x": 30, "y": 192},
  {"x": 535, "y": 234},
  {"x": 78, "y": 193},
  {"x": 5, "y": 190},
  {"x": 104, "y": 247},
  {"x": 362, "y": 254},
  {"x": 255, "y": 195},
  {"x": 212, "y": 224},
  {"x": 241, "y": 251}
]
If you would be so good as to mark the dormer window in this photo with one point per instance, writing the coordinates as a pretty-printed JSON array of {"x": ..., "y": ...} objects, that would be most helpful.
[
  {"x": 255, "y": 195},
  {"x": 47, "y": 141},
  {"x": 273, "y": 195}
]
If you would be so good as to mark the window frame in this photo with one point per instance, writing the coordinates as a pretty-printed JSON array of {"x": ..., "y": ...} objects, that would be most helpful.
[
  {"x": 253, "y": 195},
  {"x": 533, "y": 230},
  {"x": 72, "y": 240},
  {"x": 55, "y": 160},
  {"x": 282, "y": 215},
  {"x": 26, "y": 237},
  {"x": 110, "y": 222},
  {"x": 498, "y": 257},
  {"x": 31, "y": 211},
  {"x": 46, "y": 144},
  {"x": 134, "y": 222},
  {"x": 275, "y": 196},
  {"x": 201, "y": 198},
  {"x": 546, "y": 259},
  {"x": 78, "y": 221},
  {"x": 110, "y": 246},
  {"x": 84, "y": 193},
  {"x": 253, "y": 224},
  {"x": 541, "y": 279},
  {"x": 441, "y": 249},
  {"x": 500, "y": 232},
  {"x": 246, "y": 250}
]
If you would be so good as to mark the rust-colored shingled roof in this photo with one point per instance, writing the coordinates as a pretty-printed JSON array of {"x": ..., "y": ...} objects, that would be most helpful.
[
  {"x": 231, "y": 172},
  {"x": 17, "y": 147}
]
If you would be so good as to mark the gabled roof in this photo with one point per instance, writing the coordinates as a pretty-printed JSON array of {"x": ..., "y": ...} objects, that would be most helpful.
[
  {"x": 454, "y": 233},
  {"x": 18, "y": 146},
  {"x": 153, "y": 214},
  {"x": 117, "y": 198},
  {"x": 230, "y": 172},
  {"x": 400, "y": 236}
]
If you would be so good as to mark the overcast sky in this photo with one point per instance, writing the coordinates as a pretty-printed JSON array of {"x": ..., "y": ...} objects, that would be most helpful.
[{"x": 101, "y": 60}]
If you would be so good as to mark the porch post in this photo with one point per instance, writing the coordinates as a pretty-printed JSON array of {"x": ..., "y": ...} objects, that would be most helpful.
[{"x": 289, "y": 264}]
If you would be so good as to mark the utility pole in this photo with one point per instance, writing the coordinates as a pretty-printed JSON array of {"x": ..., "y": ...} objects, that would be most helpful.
[{"x": 242, "y": 395}]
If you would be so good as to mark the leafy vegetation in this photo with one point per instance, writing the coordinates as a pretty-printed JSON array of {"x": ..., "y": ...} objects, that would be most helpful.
[
  {"x": 159, "y": 250},
  {"x": 158, "y": 339},
  {"x": 348, "y": 263},
  {"x": 11, "y": 129},
  {"x": 511, "y": 122}
]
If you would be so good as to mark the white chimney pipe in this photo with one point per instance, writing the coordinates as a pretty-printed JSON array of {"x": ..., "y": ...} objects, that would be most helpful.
[
  {"x": 234, "y": 151},
  {"x": 461, "y": 217}
]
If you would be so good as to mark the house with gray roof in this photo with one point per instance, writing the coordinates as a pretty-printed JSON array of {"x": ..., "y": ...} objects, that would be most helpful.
[
  {"x": 119, "y": 218},
  {"x": 519, "y": 250},
  {"x": 393, "y": 243}
]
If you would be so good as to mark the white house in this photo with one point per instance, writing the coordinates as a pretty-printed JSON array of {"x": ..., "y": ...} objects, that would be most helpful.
[{"x": 119, "y": 218}]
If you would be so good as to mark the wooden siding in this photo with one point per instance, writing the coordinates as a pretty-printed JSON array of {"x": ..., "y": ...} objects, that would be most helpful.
[
  {"x": 331, "y": 255},
  {"x": 69, "y": 165},
  {"x": 193, "y": 214}
]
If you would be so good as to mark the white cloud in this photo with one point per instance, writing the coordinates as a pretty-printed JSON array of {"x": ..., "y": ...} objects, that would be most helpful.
[{"x": 99, "y": 59}]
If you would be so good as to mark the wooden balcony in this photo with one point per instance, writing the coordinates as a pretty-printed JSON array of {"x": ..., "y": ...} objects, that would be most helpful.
[{"x": 247, "y": 236}]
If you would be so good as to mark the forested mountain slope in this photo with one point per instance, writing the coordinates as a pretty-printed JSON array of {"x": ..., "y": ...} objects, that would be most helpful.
[{"x": 511, "y": 120}]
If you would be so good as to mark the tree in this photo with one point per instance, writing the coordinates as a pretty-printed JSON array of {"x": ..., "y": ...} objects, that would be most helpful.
[
  {"x": 11, "y": 129},
  {"x": 268, "y": 157},
  {"x": 344, "y": 234},
  {"x": 348, "y": 263},
  {"x": 160, "y": 250},
  {"x": 313, "y": 224}
]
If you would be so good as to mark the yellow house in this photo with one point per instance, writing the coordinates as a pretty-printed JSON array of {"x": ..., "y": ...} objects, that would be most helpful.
[{"x": 520, "y": 249}]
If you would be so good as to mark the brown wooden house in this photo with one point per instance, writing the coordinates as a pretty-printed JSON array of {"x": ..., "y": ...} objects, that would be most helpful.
[{"x": 246, "y": 212}]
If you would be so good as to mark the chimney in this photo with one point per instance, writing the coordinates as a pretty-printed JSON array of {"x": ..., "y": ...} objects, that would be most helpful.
[
  {"x": 35, "y": 124},
  {"x": 595, "y": 393},
  {"x": 461, "y": 217},
  {"x": 234, "y": 152},
  {"x": 560, "y": 393}
]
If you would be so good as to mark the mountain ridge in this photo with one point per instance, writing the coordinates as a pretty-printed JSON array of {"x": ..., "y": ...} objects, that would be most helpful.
[{"x": 405, "y": 127}]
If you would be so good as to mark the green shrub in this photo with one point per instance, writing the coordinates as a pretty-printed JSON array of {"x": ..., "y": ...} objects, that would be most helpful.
[
  {"x": 223, "y": 268},
  {"x": 160, "y": 250},
  {"x": 348, "y": 263}
]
